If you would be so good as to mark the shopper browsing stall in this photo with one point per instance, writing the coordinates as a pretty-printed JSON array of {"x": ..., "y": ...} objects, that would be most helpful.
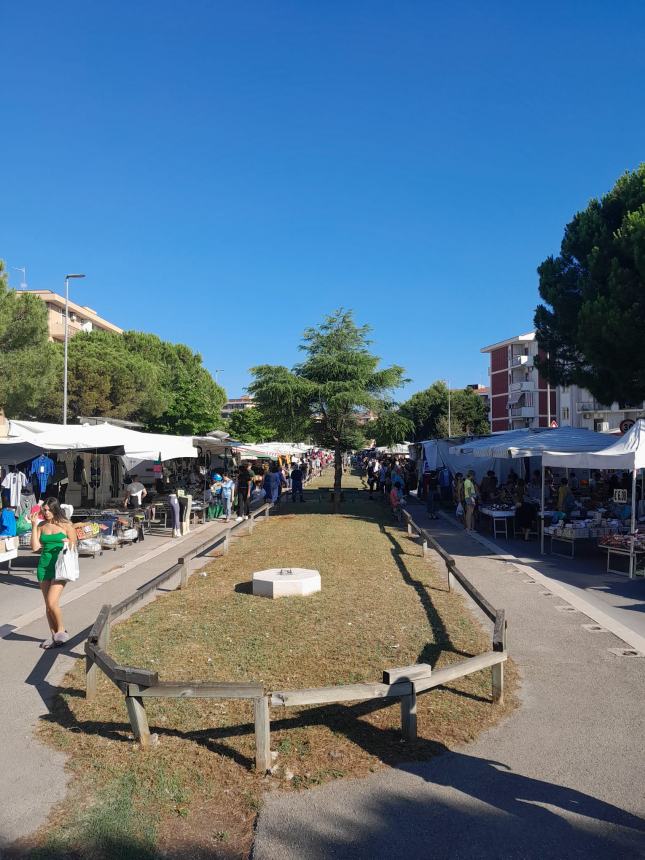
[{"x": 49, "y": 536}]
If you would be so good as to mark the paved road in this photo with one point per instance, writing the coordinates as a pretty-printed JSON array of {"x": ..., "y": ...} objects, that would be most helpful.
[
  {"x": 562, "y": 777},
  {"x": 32, "y": 777}
]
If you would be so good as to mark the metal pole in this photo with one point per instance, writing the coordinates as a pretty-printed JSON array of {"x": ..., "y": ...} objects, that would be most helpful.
[
  {"x": 542, "y": 514},
  {"x": 65, "y": 351},
  {"x": 449, "y": 411},
  {"x": 548, "y": 401},
  {"x": 631, "y": 544}
]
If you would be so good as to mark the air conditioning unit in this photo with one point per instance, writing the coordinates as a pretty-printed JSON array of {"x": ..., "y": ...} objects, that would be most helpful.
[
  {"x": 603, "y": 426},
  {"x": 587, "y": 415}
]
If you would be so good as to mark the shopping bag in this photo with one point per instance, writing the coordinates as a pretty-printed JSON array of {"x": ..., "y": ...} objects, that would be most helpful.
[
  {"x": 459, "y": 512},
  {"x": 67, "y": 569},
  {"x": 23, "y": 525}
]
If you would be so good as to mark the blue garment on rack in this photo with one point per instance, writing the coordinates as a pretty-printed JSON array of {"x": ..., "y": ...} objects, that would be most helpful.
[{"x": 43, "y": 468}]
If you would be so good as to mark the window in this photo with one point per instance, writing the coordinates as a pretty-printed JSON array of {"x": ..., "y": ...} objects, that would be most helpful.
[{"x": 565, "y": 413}]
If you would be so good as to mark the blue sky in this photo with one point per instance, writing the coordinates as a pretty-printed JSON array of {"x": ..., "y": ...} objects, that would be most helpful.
[{"x": 226, "y": 174}]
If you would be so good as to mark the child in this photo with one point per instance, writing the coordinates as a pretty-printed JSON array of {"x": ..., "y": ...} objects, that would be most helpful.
[
  {"x": 395, "y": 500},
  {"x": 227, "y": 495},
  {"x": 215, "y": 500}
]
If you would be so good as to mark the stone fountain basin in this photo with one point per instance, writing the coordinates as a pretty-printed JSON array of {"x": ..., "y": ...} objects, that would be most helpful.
[{"x": 286, "y": 582}]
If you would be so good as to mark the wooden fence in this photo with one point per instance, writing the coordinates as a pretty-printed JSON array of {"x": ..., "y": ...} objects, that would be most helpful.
[{"x": 403, "y": 683}]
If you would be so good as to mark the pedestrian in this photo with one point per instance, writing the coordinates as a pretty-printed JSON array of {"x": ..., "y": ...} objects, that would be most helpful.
[
  {"x": 296, "y": 483},
  {"x": 273, "y": 481},
  {"x": 243, "y": 490},
  {"x": 50, "y": 536},
  {"x": 470, "y": 499},
  {"x": 432, "y": 484},
  {"x": 228, "y": 488},
  {"x": 135, "y": 493},
  {"x": 372, "y": 476}
]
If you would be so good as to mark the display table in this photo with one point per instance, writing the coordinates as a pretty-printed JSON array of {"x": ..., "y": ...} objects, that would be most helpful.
[
  {"x": 9, "y": 555},
  {"x": 499, "y": 520}
]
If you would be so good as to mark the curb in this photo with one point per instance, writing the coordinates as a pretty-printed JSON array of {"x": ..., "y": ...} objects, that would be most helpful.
[{"x": 635, "y": 640}]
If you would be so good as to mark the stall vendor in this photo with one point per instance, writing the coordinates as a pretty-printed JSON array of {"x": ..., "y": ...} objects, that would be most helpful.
[{"x": 135, "y": 493}]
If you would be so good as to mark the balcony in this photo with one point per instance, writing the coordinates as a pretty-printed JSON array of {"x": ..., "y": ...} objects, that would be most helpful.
[
  {"x": 522, "y": 411},
  {"x": 591, "y": 406},
  {"x": 57, "y": 328},
  {"x": 523, "y": 385},
  {"x": 521, "y": 361}
]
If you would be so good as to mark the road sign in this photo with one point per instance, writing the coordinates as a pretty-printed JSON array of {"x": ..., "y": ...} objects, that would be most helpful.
[
  {"x": 626, "y": 425},
  {"x": 620, "y": 496},
  {"x": 554, "y": 423}
]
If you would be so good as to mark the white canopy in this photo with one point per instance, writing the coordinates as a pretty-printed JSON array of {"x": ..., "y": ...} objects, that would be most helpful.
[
  {"x": 401, "y": 448},
  {"x": 30, "y": 438},
  {"x": 626, "y": 453},
  {"x": 533, "y": 443}
]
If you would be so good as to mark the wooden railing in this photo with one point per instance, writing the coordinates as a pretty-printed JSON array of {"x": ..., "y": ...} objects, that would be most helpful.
[
  {"x": 403, "y": 683},
  {"x": 498, "y": 655}
]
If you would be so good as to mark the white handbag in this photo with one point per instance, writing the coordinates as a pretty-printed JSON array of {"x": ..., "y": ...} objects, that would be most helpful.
[{"x": 67, "y": 569}]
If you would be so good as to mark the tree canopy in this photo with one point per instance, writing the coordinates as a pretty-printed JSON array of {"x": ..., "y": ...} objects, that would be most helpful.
[
  {"x": 250, "y": 425},
  {"x": 594, "y": 292},
  {"x": 321, "y": 397},
  {"x": 29, "y": 364},
  {"x": 428, "y": 412},
  {"x": 140, "y": 377}
]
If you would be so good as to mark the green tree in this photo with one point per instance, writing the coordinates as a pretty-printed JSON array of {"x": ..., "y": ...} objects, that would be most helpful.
[
  {"x": 250, "y": 425},
  {"x": 428, "y": 412},
  {"x": 391, "y": 427},
  {"x": 590, "y": 327},
  {"x": 321, "y": 397},
  {"x": 106, "y": 378},
  {"x": 29, "y": 364},
  {"x": 139, "y": 377}
]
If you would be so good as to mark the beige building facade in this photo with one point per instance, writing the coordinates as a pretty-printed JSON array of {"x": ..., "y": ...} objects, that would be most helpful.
[{"x": 81, "y": 318}]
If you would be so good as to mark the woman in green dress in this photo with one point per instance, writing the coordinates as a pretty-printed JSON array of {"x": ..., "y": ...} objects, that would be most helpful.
[{"x": 49, "y": 531}]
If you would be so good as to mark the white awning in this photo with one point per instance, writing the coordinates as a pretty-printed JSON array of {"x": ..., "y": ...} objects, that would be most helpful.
[
  {"x": 533, "y": 443},
  {"x": 626, "y": 453}
]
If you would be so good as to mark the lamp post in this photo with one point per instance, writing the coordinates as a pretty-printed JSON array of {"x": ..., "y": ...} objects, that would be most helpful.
[{"x": 65, "y": 336}]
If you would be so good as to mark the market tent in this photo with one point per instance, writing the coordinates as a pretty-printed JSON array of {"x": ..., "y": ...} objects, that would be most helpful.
[
  {"x": 401, "y": 448},
  {"x": 35, "y": 437},
  {"x": 626, "y": 453},
  {"x": 533, "y": 443}
]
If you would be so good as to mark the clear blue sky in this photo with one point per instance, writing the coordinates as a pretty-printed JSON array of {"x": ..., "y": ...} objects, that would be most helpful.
[{"x": 227, "y": 173}]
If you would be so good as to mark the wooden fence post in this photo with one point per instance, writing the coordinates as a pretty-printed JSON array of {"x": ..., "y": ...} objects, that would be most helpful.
[
  {"x": 91, "y": 669},
  {"x": 138, "y": 718},
  {"x": 424, "y": 548},
  {"x": 499, "y": 644},
  {"x": 451, "y": 578},
  {"x": 183, "y": 573},
  {"x": 262, "y": 734},
  {"x": 266, "y": 511},
  {"x": 409, "y": 715}
]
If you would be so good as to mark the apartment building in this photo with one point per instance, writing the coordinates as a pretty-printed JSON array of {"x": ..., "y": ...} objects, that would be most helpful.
[
  {"x": 81, "y": 318},
  {"x": 519, "y": 396},
  {"x": 236, "y": 404}
]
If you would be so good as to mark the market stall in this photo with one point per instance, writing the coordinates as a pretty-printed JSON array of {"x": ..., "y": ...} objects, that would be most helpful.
[{"x": 626, "y": 454}]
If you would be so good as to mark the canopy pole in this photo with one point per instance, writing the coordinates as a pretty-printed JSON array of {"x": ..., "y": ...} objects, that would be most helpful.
[
  {"x": 542, "y": 514},
  {"x": 631, "y": 545}
]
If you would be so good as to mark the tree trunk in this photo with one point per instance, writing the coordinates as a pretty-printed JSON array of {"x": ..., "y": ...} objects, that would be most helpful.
[{"x": 338, "y": 478}]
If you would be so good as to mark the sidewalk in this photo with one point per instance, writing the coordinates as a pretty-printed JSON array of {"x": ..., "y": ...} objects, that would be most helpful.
[
  {"x": 562, "y": 777},
  {"x": 33, "y": 777}
]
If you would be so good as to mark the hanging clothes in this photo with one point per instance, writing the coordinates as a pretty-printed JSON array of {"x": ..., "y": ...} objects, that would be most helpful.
[
  {"x": 41, "y": 470},
  {"x": 14, "y": 483}
]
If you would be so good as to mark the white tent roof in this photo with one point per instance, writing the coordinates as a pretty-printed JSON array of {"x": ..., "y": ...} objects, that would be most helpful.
[
  {"x": 32, "y": 437},
  {"x": 533, "y": 443},
  {"x": 401, "y": 448},
  {"x": 626, "y": 453}
]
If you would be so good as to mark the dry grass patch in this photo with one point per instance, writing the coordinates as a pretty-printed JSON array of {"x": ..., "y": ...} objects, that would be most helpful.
[{"x": 381, "y": 606}]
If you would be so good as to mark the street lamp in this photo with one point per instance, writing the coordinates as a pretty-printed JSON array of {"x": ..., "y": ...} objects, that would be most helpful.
[{"x": 67, "y": 279}]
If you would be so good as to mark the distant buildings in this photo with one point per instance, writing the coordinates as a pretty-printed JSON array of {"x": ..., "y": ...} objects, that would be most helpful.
[
  {"x": 520, "y": 397},
  {"x": 81, "y": 318},
  {"x": 237, "y": 404}
]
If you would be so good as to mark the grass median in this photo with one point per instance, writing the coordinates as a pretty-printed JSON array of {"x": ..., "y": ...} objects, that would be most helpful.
[{"x": 195, "y": 791}]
